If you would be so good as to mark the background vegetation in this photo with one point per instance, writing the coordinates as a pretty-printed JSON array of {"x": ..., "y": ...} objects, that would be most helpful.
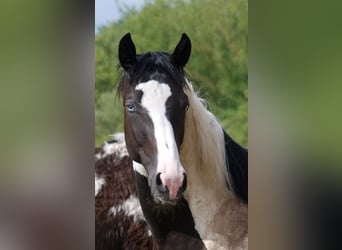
[{"x": 218, "y": 30}]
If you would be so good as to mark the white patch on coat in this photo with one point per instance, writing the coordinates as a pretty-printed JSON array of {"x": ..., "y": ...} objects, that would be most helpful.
[
  {"x": 117, "y": 148},
  {"x": 99, "y": 182},
  {"x": 140, "y": 169},
  {"x": 154, "y": 98},
  {"x": 98, "y": 156},
  {"x": 130, "y": 207},
  {"x": 119, "y": 137}
]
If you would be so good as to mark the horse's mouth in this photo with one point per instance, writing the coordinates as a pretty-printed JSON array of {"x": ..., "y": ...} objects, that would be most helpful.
[
  {"x": 165, "y": 202},
  {"x": 164, "y": 199}
]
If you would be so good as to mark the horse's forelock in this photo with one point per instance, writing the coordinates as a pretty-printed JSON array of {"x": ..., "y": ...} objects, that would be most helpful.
[{"x": 151, "y": 66}]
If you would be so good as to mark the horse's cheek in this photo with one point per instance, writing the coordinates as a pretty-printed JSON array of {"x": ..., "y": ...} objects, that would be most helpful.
[{"x": 130, "y": 142}]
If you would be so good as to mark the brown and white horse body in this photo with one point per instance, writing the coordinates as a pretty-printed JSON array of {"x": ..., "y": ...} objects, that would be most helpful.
[{"x": 183, "y": 155}]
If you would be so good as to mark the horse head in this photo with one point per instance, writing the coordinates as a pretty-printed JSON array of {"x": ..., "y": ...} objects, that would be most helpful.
[{"x": 155, "y": 106}]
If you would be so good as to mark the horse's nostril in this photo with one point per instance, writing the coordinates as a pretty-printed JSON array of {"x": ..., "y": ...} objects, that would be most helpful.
[
  {"x": 160, "y": 185},
  {"x": 183, "y": 187},
  {"x": 158, "y": 179}
]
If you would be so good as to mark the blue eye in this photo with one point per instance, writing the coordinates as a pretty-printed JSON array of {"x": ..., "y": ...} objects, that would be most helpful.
[{"x": 130, "y": 107}]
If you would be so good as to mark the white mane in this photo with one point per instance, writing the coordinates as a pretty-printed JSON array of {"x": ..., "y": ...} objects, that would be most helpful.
[
  {"x": 220, "y": 218},
  {"x": 203, "y": 140}
]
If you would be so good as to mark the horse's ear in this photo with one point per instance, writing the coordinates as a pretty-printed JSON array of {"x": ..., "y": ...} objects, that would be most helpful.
[
  {"x": 181, "y": 54},
  {"x": 127, "y": 52}
]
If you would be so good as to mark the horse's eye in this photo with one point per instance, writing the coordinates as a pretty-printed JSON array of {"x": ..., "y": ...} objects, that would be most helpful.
[{"x": 130, "y": 107}]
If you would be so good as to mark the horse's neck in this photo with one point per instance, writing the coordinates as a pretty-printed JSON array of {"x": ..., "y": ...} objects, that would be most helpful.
[
  {"x": 173, "y": 226},
  {"x": 203, "y": 157}
]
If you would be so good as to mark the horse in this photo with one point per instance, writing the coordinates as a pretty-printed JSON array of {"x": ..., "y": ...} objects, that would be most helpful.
[
  {"x": 119, "y": 221},
  {"x": 192, "y": 177}
]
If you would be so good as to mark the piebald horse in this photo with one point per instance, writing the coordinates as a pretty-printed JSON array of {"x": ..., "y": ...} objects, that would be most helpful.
[
  {"x": 192, "y": 177},
  {"x": 119, "y": 220}
]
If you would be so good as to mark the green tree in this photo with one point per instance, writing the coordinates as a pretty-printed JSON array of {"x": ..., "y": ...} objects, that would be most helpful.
[{"x": 218, "y": 65}]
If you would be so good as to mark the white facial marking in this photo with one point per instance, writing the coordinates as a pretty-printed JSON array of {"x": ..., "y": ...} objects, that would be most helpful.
[
  {"x": 99, "y": 182},
  {"x": 155, "y": 96},
  {"x": 131, "y": 207}
]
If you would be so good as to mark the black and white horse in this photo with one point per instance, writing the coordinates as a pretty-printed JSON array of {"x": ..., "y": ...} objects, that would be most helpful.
[{"x": 192, "y": 176}]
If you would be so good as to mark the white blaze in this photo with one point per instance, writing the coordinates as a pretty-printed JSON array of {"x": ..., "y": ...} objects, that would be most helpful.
[{"x": 154, "y": 99}]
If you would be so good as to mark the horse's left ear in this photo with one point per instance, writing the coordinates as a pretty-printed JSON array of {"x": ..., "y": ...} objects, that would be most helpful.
[
  {"x": 127, "y": 52},
  {"x": 181, "y": 54}
]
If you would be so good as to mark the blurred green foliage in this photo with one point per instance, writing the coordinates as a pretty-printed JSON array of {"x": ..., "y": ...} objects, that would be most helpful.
[{"x": 218, "y": 64}]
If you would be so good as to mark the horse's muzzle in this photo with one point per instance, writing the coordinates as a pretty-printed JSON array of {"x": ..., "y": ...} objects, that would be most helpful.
[{"x": 171, "y": 186}]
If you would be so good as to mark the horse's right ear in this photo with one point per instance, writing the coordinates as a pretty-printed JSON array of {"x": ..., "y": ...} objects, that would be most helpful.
[{"x": 127, "y": 52}]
